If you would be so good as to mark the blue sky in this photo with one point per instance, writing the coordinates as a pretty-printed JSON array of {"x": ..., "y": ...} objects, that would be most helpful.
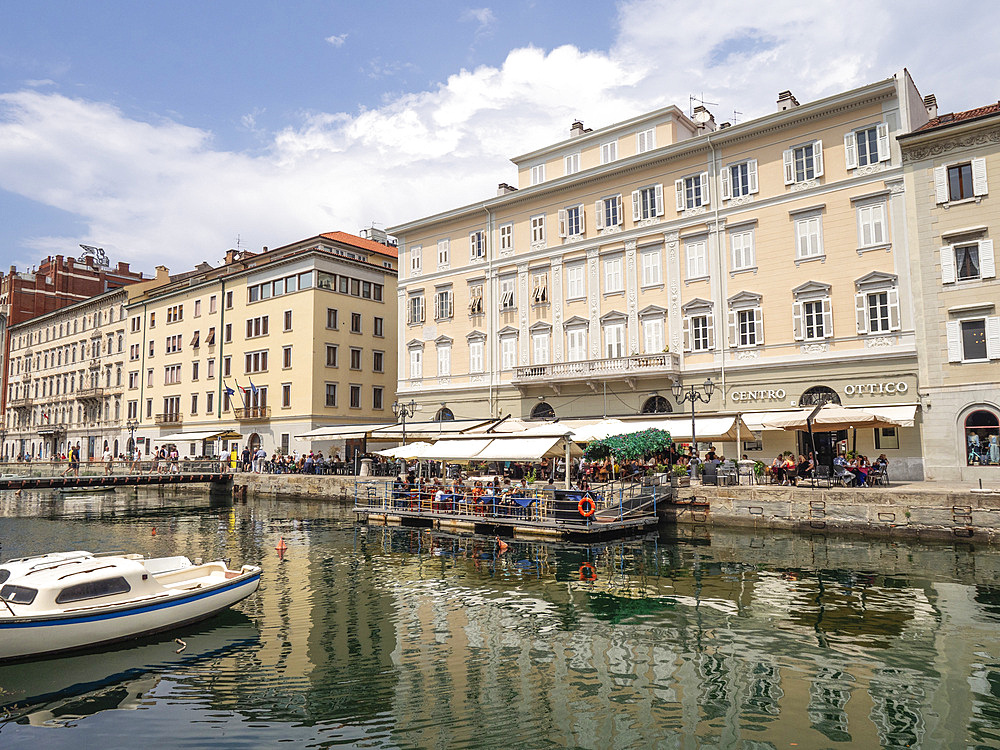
[{"x": 167, "y": 130}]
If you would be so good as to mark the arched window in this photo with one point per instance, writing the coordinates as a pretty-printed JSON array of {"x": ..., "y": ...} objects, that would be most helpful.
[
  {"x": 444, "y": 414},
  {"x": 656, "y": 405},
  {"x": 819, "y": 394},
  {"x": 542, "y": 410},
  {"x": 982, "y": 438}
]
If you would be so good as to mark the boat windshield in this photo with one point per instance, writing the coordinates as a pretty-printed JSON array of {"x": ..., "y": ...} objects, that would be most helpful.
[
  {"x": 4, "y": 574},
  {"x": 18, "y": 594},
  {"x": 93, "y": 590}
]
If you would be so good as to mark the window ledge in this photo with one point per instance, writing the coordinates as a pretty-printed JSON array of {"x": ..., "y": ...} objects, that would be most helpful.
[
  {"x": 616, "y": 293},
  {"x": 581, "y": 298},
  {"x": 648, "y": 287},
  {"x": 820, "y": 258},
  {"x": 887, "y": 247},
  {"x": 974, "y": 199},
  {"x": 696, "y": 279},
  {"x": 749, "y": 269}
]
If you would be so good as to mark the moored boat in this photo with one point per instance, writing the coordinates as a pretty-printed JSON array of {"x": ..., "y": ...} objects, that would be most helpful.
[{"x": 65, "y": 601}]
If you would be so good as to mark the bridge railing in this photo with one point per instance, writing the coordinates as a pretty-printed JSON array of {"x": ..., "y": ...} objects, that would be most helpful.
[{"x": 118, "y": 468}]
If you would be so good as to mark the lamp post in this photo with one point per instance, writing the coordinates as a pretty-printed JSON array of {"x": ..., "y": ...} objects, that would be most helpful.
[
  {"x": 401, "y": 411},
  {"x": 131, "y": 426},
  {"x": 693, "y": 394}
]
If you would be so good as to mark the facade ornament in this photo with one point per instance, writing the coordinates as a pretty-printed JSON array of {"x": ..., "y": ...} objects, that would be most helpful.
[
  {"x": 815, "y": 348},
  {"x": 747, "y": 354},
  {"x": 983, "y": 138},
  {"x": 804, "y": 185},
  {"x": 880, "y": 342}
]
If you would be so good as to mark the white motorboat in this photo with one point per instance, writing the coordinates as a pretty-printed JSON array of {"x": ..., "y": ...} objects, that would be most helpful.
[{"x": 72, "y": 600}]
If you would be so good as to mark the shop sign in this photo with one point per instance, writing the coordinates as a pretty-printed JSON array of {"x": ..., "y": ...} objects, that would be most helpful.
[
  {"x": 875, "y": 389},
  {"x": 761, "y": 395}
]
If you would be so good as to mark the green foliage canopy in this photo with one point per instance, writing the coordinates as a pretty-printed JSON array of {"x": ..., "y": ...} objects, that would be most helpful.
[{"x": 629, "y": 447}]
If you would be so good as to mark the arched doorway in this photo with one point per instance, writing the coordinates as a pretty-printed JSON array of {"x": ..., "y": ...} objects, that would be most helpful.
[
  {"x": 444, "y": 414},
  {"x": 819, "y": 394},
  {"x": 253, "y": 443},
  {"x": 825, "y": 442},
  {"x": 656, "y": 405},
  {"x": 542, "y": 410},
  {"x": 116, "y": 447},
  {"x": 982, "y": 438}
]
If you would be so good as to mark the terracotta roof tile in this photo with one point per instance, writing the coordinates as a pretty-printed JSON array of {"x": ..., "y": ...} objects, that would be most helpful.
[
  {"x": 350, "y": 239},
  {"x": 956, "y": 117}
]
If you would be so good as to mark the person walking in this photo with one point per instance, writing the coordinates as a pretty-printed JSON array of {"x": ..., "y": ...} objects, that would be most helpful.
[{"x": 109, "y": 461}]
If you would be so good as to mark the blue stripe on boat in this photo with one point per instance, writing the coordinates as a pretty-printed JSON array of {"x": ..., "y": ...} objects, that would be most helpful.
[{"x": 128, "y": 612}]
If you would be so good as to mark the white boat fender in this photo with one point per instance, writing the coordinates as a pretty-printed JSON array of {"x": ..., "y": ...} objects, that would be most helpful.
[{"x": 183, "y": 645}]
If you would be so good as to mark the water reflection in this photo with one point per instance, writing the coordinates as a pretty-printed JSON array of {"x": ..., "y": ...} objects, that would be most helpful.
[{"x": 403, "y": 638}]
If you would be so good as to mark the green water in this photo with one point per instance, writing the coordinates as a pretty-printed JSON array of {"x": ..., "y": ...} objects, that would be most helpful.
[{"x": 375, "y": 637}]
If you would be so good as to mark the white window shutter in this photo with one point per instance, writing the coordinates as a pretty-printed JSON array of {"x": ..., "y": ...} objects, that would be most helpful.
[
  {"x": 710, "y": 324},
  {"x": 818, "y": 157},
  {"x": 797, "y": 320},
  {"x": 953, "y": 329},
  {"x": 882, "y": 132},
  {"x": 599, "y": 214},
  {"x": 687, "y": 333},
  {"x": 758, "y": 324},
  {"x": 562, "y": 222},
  {"x": 734, "y": 334},
  {"x": 635, "y": 205},
  {"x": 940, "y": 185},
  {"x": 437, "y": 307},
  {"x": 583, "y": 219},
  {"x": 987, "y": 261},
  {"x": 789, "y": 163},
  {"x": 827, "y": 319},
  {"x": 861, "y": 311},
  {"x": 993, "y": 337},
  {"x": 679, "y": 190},
  {"x": 894, "y": 324},
  {"x": 752, "y": 176},
  {"x": 620, "y": 216},
  {"x": 947, "y": 265},
  {"x": 979, "y": 186},
  {"x": 658, "y": 192},
  {"x": 706, "y": 196},
  {"x": 724, "y": 179},
  {"x": 851, "y": 150}
]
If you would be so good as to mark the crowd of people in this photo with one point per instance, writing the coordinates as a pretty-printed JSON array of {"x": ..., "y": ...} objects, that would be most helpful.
[{"x": 851, "y": 470}]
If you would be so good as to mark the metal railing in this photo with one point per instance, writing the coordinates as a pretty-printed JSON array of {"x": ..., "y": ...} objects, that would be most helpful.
[
  {"x": 635, "y": 364},
  {"x": 170, "y": 418},
  {"x": 252, "y": 413},
  {"x": 96, "y": 467}
]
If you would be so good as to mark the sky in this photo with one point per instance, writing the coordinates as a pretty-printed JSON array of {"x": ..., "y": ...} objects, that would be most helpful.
[{"x": 168, "y": 132}]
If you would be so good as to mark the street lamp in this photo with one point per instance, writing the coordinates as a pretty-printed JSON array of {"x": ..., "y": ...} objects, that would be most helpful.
[
  {"x": 692, "y": 393},
  {"x": 401, "y": 411},
  {"x": 131, "y": 426}
]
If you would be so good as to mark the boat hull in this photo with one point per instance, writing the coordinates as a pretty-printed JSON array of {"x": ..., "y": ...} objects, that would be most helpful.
[{"x": 28, "y": 637}]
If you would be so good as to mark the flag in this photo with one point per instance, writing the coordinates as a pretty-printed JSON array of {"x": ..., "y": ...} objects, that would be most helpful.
[
  {"x": 230, "y": 391},
  {"x": 253, "y": 388}
]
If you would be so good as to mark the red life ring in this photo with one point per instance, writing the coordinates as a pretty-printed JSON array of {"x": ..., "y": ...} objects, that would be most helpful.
[
  {"x": 587, "y": 572},
  {"x": 590, "y": 501}
]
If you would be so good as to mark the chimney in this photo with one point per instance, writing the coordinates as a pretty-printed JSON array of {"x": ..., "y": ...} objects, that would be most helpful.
[
  {"x": 576, "y": 129},
  {"x": 231, "y": 256},
  {"x": 264, "y": 249},
  {"x": 930, "y": 104},
  {"x": 786, "y": 100},
  {"x": 503, "y": 188},
  {"x": 122, "y": 267},
  {"x": 704, "y": 118}
]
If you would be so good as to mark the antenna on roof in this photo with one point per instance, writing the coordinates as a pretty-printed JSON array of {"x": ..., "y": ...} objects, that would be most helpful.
[
  {"x": 736, "y": 114},
  {"x": 701, "y": 100},
  {"x": 237, "y": 242}
]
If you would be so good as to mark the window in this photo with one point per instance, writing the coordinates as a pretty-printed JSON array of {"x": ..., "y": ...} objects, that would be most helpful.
[
  {"x": 152, "y": 320},
  {"x": 133, "y": 352},
  {"x": 132, "y": 410},
  {"x": 967, "y": 261},
  {"x": 576, "y": 344},
  {"x": 255, "y": 327},
  {"x": 975, "y": 340},
  {"x": 255, "y": 361},
  {"x": 196, "y": 340},
  {"x": 210, "y": 369},
  {"x": 696, "y": 252},
  {"x": 194, "y": 370},
  {"x": 287, "y": 320},
  {"x": 506, "y": 237},
  {"x": 149, "y": 410},
  {"x": 416, "y": 253},
  {"x": 444, "y": 304},
  {"x": 877, "y": 308},
  {"x": 444, "y": 253},
  {"x": 608, "y": 212},
  {"x": 228, "y": 333},
  {"x": 416, "y": 362},
  {"x": 415, "y": 309},
  {"x": 212, "y": 305},
  {"x": 803, "y": 163},
  {"x": 871, "y": 225},
  {"x": 692, "y": 192},
  {"x": 540, "y": 347},
  {"x": 133, "y": 379},
  {"x": 739, "y": 180},
  {"x": 609, "y": 152},
  {"x": 957, "y": 182},
  {"x": 652, "y": 335},
  {"x": 960, "y": 182},
  {"x": 355, "y": 322},
  {"x": 378, "y": 327},
  {"x": 645, "y": 140},
  {"x": 152, "y": 348},
  {"x": 355, "y": 396},
  {"x": 808, "y": 237},
  {"x": 194, "y": 403},
  {"x": 136, "y": 324},
  {"x": 866, "y": 146},
  {"x": 355, "y": 358},
  {"x": 647, "y": 203},
  {"x": 507, "y": 299},
  {"x": 571, "y": 164},
  {"x": 210, "y": 338},
  {"x": 539, "y": 288},
  {"x": 197, "y": 308},
  {"x": 331, "y": 355},
  {"x": 173, "y": 344},
  {"x": 377, "y": 397},
  {"x": 538, "y": 229},
  {"x": 227, "y": 366},
  {"x": 331, "y": 318},
  {"x": 508, "y": 352},
  {"x": 444, "y": 360},
  {"x": 652, "y": 269},
  {"x": 537, "y": 174},
  {"x": 614, "y": 340},
  {"x": 571, "y": 221},
  {"x": 745, "y": 327},
  {"x": 477, "y": 351},
  {"x": 576, "y": 281},
  {"x": 476, "y": 299},
  {"x": 982, "y": 436},
  {"x": 812, "y": 314},
  {"x": 699, "y": 326},
  {"x": 378, "y": 361},
  {"x": 175, "y": 313},
  {"x": 171, "y": 374},
  {"x": 742, "y": 247},
  {"x": 286, "y": 357},
  {"x": 477, "y": 245},
  {"x": 331, "y": 394},
  {"x": 90, "y": 590},
  {"x": 286, "y": 395},
  {"x": 614, "y": 280}
]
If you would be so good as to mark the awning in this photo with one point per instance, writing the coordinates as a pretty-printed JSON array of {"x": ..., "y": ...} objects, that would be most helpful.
[
  {"x": 427, "y": 429},
  {"x": 903, "y": 414},
  {"x": 193, "y": 437},
  {"x": 335, "y": 431},
  {"x": 522, "y": 449},
  {"x": 455, "y": 450},
  {"x": 707, "y": 428},
  {"x": 411, "y": 451},
  {"x": 829, "y": 418}
]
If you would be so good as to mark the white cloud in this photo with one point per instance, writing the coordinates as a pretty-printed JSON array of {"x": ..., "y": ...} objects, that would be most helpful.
[
  {"x": 483, "y": 17},
  {"x": 337, "y": 40},
  {"x": 154, "y": 190}
]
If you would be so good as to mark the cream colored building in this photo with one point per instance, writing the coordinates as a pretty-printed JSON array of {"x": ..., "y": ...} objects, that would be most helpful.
[
  {"x": 949, "y": 166},
  {"x": 770, "y": 256},
  {"x": 66, "y": 380},
  {"x": 268, "y": 345}
]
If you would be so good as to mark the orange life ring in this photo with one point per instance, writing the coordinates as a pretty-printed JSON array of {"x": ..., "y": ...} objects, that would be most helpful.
[
  {"x": 580, "y": 506},
  {"x": 587, "y": 572}
]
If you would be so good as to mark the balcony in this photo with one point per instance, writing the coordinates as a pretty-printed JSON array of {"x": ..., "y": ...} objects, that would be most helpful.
[
  {"x": 666, "y": 364},
  {"x": 90, "y": 394},
  {"x": 20, "y": 403},
  {"x": 253, "y": 414},
  {"x": 168, "y": 419}
]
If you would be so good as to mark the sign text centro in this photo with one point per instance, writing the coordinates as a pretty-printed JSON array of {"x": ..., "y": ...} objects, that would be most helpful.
[{"x": 769, "y": 393}]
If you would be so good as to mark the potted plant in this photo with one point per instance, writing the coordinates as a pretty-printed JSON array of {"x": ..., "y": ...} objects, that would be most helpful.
[{"x": 680, "y": 475}]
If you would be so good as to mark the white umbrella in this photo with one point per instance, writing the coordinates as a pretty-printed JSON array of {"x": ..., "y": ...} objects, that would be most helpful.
[
  {"x": 829, "y": 418},
  {"x": 411, "y": 451}
]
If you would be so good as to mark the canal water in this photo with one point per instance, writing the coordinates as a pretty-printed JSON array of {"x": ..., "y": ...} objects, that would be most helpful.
[{"x": 386, "y": 637}]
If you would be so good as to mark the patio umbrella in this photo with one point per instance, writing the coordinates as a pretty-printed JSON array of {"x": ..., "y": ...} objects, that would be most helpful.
[
  {"x": 829, "y": 418},
  {"x": 413, "y": 450}
]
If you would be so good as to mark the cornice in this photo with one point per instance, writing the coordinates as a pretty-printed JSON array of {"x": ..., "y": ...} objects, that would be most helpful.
[{"x": 938, "y": 142}]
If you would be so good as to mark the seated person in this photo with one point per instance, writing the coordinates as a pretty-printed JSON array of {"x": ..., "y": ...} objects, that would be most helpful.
[
  {"x": 778, "y": 469},
  {"x": 804, "y": 468}
]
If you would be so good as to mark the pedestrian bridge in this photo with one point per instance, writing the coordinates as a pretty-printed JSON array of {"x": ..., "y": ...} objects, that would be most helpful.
[{"x": 48, "y": 475}]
